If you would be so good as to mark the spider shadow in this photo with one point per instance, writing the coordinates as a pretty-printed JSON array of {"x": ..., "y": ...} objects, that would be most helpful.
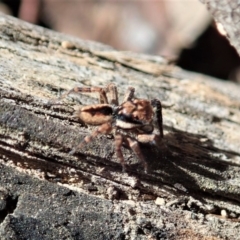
[{"x": 185, "y": 159}]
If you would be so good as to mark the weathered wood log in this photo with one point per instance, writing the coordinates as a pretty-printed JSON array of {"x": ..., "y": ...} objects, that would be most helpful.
[
  {"x": 193, "y": 182},
  {"x": 227, "y": 13}
]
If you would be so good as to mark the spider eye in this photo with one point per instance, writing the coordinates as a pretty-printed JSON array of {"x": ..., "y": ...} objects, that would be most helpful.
[{"x": 147, "y": 128}]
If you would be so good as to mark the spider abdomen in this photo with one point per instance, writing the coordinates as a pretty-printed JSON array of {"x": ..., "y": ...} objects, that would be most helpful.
[{"x": 96, "y": 114}]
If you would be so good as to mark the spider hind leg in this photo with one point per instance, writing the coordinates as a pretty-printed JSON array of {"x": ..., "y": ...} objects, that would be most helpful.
[{"x": 103, "y": 129}]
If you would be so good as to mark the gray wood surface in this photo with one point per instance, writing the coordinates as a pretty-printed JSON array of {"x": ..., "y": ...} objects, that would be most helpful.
[
  {"x": 227, "y": 13},
  {"x": 194, "y": 173}
]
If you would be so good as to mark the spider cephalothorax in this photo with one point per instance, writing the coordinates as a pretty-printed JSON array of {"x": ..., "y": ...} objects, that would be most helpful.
[{"x": 130, "y": 122}]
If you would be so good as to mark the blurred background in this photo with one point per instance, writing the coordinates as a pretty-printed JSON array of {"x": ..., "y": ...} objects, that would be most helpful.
[{"x": 180, "y": 30}]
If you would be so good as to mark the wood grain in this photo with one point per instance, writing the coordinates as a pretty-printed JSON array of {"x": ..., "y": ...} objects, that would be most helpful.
[{"x": 197, "y": 165}]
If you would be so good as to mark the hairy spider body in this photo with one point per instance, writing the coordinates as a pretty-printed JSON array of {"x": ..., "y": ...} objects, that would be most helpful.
[{"x": 133, "y": 116}]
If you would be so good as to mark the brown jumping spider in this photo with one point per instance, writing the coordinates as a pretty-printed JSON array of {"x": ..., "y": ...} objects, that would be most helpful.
[{"x": 129, "y": 122}]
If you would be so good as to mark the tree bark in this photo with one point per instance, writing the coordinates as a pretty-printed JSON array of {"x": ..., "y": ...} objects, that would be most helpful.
[{"x": 192, "y": 188}]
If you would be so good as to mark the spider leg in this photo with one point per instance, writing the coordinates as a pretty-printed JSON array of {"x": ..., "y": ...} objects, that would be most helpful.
[
  {"x": 101, "y": 91},
  {"x": 129, "y": 94},
  {"x": 112, "y": 89},
  {"x": 118, "y": 145},
  {"x": 103, "y": 129},
  {"x": 148, "y": 138},
  {"x": 158, "y": 110},
  {"x": 133, "y": 144}
]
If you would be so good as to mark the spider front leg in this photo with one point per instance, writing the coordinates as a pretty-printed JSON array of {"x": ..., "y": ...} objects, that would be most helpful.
[
  {"x": 118, "y": 144},
  {"x": 133, "y": 144},
  {"x": 158, "y": 111},
  {"x": 105, "y": 128}
]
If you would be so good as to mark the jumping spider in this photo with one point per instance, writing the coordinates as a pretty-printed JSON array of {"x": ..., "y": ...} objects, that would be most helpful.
[{"x": 129, "y": 122}]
